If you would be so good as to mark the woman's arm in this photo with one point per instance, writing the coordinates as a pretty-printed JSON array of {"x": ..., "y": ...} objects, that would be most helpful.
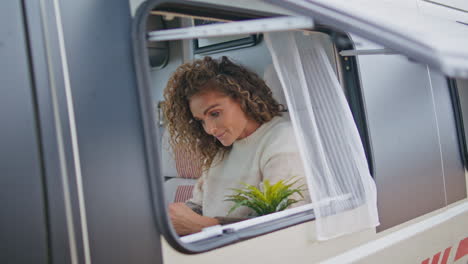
[
  {"x": 186, "y": 218},
  {"x": 186, "y": 221}
]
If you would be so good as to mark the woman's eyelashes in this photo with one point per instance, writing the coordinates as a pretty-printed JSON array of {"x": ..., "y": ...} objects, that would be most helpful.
[{"x": 215, "y": 114}]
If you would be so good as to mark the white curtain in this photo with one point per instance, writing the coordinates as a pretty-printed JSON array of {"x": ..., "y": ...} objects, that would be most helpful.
[{"x": 341, "y": 187}]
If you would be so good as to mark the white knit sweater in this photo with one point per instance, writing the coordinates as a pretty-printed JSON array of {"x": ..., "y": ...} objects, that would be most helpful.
[{"x": 270, "y": 152}]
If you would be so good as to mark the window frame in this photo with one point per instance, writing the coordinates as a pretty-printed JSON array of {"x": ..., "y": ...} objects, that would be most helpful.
[
  {"x": 241, "y": 43},
  {"x": 352, "y": 85},
  {"x": 458, "y": 116},
  {"x": 246, "y": 42}
]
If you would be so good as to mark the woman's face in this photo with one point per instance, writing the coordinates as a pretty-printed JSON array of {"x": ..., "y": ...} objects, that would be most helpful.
[{"x": 221, "y": 116}]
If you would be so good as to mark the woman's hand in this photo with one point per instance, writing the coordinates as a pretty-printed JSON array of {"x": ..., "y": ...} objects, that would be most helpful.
[{"x": 186, "y": 221}]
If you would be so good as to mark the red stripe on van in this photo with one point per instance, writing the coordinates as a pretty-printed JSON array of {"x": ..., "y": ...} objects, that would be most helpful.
[
  {"x": 462, "y": 249},
  {"x": 435, "y": 259},
  {"x": 426, "y": 261},
  {"x": 446, "y": 255}
]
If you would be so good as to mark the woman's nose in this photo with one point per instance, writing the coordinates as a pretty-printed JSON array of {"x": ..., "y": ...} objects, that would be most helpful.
[{"x": 210, "y": 128}]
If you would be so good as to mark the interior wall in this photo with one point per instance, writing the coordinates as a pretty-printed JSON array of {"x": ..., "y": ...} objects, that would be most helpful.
[
  {"x": 256, "y": 58},
  {"x": 159, "y": 77}
]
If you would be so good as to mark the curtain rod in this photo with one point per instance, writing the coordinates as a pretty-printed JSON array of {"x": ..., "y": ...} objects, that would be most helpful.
[{"x": 233, "y": 28}]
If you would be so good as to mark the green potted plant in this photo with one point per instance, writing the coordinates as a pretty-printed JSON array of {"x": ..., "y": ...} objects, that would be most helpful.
[{"x": 267, "y": 198}]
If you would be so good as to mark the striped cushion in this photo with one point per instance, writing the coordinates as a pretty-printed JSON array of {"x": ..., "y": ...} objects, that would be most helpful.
[
  {"x": 183, "y": 193},
  {"x": 187, "y": 167}
]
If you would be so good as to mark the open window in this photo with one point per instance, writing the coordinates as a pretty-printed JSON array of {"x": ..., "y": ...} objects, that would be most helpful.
[
  {"x": 165, "y": 168},
  {"x": 343, "y": 53}
]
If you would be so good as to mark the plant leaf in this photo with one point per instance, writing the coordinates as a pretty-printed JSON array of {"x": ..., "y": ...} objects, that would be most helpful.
[{"x": 267, "y": 198}]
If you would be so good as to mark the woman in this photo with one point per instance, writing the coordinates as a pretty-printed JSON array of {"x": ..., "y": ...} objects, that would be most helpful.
[{"x": 226, "y": 116}]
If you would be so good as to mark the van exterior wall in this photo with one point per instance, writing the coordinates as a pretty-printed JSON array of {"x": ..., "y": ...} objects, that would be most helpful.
[
  {"x": 296, "y": 245},
  {"x": 24, "y": 236},
  {"x": 404, "y": 136},
  {"x": 97, "y": 89},
  {"x": 292, "y": 245},
  {"x": 426, "y": 244},
  {"x": 443, "y": 9}
]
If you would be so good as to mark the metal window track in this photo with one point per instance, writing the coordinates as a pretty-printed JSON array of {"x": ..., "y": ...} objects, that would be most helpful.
[{"x": 233, "y": 28}]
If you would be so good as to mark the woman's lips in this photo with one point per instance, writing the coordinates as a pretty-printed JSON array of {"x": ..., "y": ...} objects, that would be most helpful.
[{"x": 220, "y": 135}]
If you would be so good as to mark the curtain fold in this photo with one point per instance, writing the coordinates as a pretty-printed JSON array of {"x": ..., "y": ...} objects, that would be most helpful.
[{"x": 341, "y": 187}]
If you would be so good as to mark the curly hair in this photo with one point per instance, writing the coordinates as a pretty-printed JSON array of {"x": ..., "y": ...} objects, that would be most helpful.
[{"x": 239, "y": 83}]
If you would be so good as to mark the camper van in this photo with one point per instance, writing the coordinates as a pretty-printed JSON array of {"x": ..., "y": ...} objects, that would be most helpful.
[{"x": 376, "y": 93}]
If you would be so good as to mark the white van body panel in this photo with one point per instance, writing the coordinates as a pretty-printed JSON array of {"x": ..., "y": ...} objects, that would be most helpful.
[
  {"x": 442, "y": 11},
  {"x": 296, "y": 245}
]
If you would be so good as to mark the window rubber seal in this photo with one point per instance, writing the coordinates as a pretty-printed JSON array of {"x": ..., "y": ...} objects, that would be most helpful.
[{"x": 459, "y": 124}]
